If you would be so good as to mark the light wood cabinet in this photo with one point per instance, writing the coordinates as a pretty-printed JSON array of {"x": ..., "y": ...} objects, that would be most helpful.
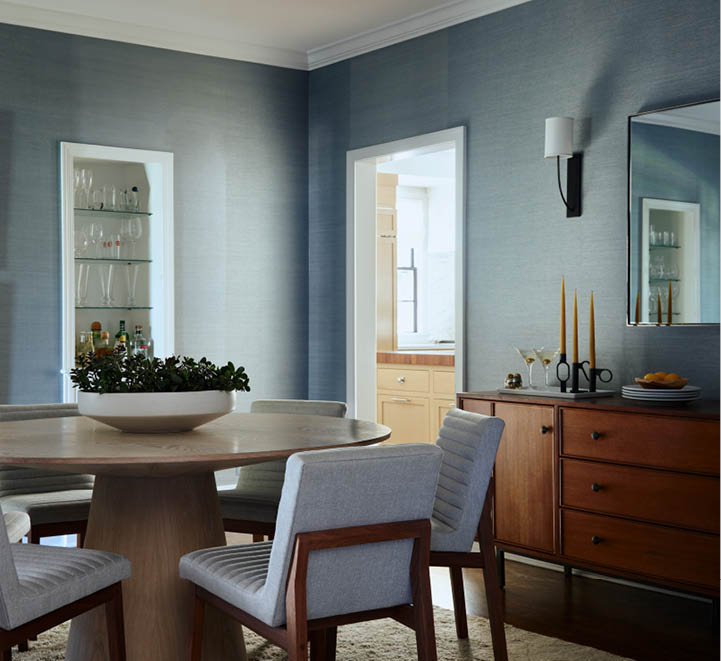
[
  {"x": 386, "y": 261},
  {"x": 412, "y": 400}
]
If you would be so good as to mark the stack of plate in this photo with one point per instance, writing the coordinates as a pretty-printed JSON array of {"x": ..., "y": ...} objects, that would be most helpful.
[{"x": 685, "y": 394}]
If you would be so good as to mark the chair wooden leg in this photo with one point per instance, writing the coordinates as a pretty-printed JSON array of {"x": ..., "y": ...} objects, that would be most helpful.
[
  {"x": 33, "y": 537},
  {"x": 8, "y": 654},
  {"x": 297, "y": 638},
  {"x": 81, "y": 540},
  {"x": 459, "y": 601},
  {"x": 323, "y": 644},
  {"x": 494, "y": 595},
  {"x": 196, "y": 642},
  {"x": 258, "y": 538},
  {"x": 422, "y": 602},
  {"x": 115, "y": 625},
  {"x": 24, "y": 646}
]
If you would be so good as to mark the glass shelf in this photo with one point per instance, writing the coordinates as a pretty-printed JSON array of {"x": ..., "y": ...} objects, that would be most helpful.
[
  {"x": 657, "y": 246},
  {"x": 112, "y": 260},
  {"x": 664, "y": 279},
  {"x": 113, "y": 307},
  {"x": 109, "y": 212}
]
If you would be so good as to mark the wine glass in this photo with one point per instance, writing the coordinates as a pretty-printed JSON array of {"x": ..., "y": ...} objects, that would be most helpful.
[
  {"x": 546, "y": 356},
  {"x": 87, "y": 185},
  {"x": 81, "y": 242},
  {"x": 136, "y": 233},
  {"x": 106, "y": 284},
  {"x": 95, "y": 236},
  {"x": 529, "y": 357},
  {"x": 81, "y": 295}
]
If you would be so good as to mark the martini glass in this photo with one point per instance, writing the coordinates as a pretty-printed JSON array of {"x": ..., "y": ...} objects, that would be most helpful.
[
  {"x": 546, "y": 356},
  {"x": 529, "y": 357}
]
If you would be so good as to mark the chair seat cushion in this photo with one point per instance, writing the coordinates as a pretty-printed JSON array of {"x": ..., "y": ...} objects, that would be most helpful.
[
  {"x": 17, "y": 525},
  {"x": 51, "y": 506},
  {"x": 236, "y": 574},
  {"x": 242, "y": 505},
  {"x": 51, "y": 577}
]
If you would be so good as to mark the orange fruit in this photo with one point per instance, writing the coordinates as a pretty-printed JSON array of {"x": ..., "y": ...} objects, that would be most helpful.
[
  {"x": 650, "y": 376},
  {"x": 660, "y": 376},
  {"x": 672, "y": 377}
]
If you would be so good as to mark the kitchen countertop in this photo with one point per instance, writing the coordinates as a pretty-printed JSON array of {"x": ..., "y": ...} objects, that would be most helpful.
[{"x": 441, "y": 358}]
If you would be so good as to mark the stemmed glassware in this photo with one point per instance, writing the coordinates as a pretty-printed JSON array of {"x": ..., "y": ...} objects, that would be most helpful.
[
  {"x": 546, "y": 356},
  {"x": 135, "y": 233},
  {"x": 529, "y": 357},
  {"x": 95, "y": 236},
  {"x": 131, "y": 275},
  {"x": 106, "y": 284},
  {"x": 81, "y": 294}
]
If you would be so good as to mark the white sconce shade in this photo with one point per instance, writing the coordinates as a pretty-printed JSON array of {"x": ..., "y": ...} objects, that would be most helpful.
[{"x": 559, "y": 137}]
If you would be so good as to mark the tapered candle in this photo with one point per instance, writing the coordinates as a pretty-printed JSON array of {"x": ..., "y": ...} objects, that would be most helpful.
[
  {"x": 659, "y": 318},
  {"x": 638, "y": 306},
  {"x": 575, "y": 327},
  {"x": 563, "y": 315},
  {"x": 670, "y": 304},
  {"x": 591, "y": 337}
]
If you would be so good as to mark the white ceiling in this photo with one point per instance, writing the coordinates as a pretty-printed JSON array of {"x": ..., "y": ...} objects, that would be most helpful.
[{"x": 301, "y": 34}]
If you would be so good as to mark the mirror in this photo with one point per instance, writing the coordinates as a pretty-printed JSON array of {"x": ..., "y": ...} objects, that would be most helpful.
[{"x": 673, "y": 215}]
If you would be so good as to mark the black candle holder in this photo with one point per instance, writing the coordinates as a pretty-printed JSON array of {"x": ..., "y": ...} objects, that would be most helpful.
[
  {"x": 597, "y": 374},
  {"x": 566, "y": 369},
  {"x": 575, "y": 369}
]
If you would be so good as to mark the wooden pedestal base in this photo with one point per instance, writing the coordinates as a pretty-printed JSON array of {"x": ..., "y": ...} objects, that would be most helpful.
[{"x": 153, "y": 522}]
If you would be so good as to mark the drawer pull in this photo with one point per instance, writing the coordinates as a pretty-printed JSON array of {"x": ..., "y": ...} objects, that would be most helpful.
[
  {"x": 400, "y": 399},
  {"x": 596, "y": 539},
  {"x": 595, "y": 435},
  {"x": 595, "y": 487},
  {"x": 545, "y": 429},
  {"x": 401, "y": 379}
]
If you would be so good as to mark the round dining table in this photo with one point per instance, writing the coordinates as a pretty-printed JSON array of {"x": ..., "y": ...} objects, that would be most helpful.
[{"x": 154, "y": 500}]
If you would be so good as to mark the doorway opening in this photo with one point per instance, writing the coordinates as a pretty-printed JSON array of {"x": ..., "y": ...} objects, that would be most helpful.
[{"x": 405, "y": 278}]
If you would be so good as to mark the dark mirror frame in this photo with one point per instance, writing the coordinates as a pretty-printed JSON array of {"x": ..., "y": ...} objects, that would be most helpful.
[{"x": 629, "y": 302}]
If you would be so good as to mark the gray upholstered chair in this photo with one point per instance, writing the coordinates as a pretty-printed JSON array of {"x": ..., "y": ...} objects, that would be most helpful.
[
  {"x": 326, "y": 565},
  {"x": 251, "y": 507},
  {"x": 42, "y": 586},
  {"x": 17, "y": 525},
  {"x": 462, "y": 510},
  {"x": 57, "y": 503}
]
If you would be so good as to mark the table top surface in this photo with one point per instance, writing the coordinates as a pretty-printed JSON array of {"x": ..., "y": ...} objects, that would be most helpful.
[{"x": 81, "y": 445}]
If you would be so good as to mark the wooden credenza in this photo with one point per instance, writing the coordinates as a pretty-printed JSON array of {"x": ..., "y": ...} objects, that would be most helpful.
[{"x": 609, "y": 485}]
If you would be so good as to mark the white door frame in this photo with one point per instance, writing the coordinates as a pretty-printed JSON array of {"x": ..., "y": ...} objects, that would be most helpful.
[{"x": 361, "y": 259}]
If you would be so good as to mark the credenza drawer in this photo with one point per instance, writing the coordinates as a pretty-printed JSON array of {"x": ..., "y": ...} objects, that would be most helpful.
[
  {"x": 403, "y": 380},
  {"x": 689, "y": 501},
  {"x": 647, "y": 549},
  {"x": 647, "y": 440}
]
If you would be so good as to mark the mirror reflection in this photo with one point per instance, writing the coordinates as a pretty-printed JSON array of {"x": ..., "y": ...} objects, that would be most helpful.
[{"x": 673, "y": 238}]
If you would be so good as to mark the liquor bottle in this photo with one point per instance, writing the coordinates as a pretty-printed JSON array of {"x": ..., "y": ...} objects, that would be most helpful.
[
  {"x": 139, "y": 344},
  {"x": 103, "y": 347},
  {"x": 121, "y": 331},
  {"x": 121, "y": 340},
  {"x": 95, "y": 328}
]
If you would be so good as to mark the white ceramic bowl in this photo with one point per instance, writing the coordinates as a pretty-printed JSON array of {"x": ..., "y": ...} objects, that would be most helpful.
[{"x": 156, "y": 412}]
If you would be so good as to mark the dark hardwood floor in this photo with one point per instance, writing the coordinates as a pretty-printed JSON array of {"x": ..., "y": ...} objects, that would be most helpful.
[{"x": 623, "y": 620}]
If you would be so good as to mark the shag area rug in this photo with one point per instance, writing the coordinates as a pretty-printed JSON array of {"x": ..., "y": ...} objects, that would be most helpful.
[{"x": 386, "y": 640}]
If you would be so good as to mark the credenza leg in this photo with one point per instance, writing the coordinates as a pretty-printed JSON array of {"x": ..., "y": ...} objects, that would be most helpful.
[
  {"x": 501, "y": 565},
  {"x": 567, "y": 571}
]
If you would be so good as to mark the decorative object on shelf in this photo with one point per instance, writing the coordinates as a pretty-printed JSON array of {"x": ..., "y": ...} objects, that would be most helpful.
[
  {"x": 137, "y": 394},
  {"x": 81, "y": 297},
  {"x": 562, "y": 366},
  {"x": 575, "y": 365},
  {"x": 557, "y": 394},
  {"x": 638, "y": 307},
  {"x": 131, "y": 275},
  {"x": 513, "y": 382},
  {"x": 106, "y": 284},
  {"x": 684, "y": 394},
  {"x": 559, "y": 145}
]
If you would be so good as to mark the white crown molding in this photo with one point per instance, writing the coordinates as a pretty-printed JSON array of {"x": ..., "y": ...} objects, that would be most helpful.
[
  {"x": 143, "y": 35},
  {"x": 60, "y": 21},
  {"x": 407, "y": 28}
]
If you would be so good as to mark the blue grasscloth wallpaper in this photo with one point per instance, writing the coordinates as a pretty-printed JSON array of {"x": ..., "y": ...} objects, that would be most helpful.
[
  {"x": 239, "y": 135},
  {"x": 501, "y": 76}
]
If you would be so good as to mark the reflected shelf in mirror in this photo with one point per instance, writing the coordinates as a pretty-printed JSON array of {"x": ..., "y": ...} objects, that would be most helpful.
[
  {"x": 656, "y": 247},
  {"x": 112, "y": 260},
  {"x": 664, "y": 279},
  {"x": 110, "y": 212},
  {"x": 113, "y": 307}
]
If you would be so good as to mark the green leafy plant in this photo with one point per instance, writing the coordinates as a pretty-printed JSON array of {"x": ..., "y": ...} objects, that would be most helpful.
[{"x": 115, "y": 373}]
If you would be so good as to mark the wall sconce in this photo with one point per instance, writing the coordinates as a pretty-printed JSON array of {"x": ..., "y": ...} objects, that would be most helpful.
[{"x": 559, "y": 145}]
